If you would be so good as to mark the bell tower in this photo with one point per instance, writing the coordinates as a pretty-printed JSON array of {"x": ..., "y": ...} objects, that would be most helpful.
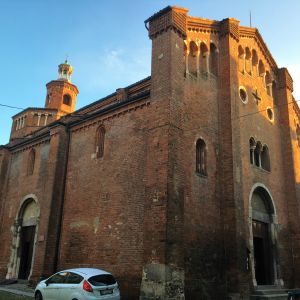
[{"x": 61, "y": 93}]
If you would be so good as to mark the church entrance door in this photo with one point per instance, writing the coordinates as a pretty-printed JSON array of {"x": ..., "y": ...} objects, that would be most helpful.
[
  {"x": 261, "y": 246},
  {"x": 263, "y": 238},
  {"x": 26, "y": 247}
]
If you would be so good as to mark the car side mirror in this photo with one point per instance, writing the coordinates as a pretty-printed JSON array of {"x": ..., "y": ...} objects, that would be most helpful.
[{"x": 47, "y": 282}]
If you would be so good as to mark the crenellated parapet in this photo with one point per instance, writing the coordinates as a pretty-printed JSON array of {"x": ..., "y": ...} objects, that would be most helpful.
[
  {"x": 230, "y": 27},
  {"x": 284, "y": 79},
  {"x": 169, "y": 18}
]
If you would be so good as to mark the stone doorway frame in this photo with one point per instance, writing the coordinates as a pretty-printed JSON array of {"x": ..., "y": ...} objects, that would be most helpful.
[
  {"x": 14, "y": 261},
  {"x": 273, "y": 228}
]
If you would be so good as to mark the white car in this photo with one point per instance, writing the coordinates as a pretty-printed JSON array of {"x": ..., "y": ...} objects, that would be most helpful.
[{"x": 78, "y": 284}]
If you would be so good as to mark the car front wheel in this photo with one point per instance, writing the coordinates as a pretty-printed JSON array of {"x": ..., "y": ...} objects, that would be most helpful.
[{"x": 38, "y": 296}]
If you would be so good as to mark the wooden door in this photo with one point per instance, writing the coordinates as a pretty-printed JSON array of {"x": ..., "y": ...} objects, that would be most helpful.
[
  {"x": 26, "y": 249},
  {"x": 262, "y": 254}
]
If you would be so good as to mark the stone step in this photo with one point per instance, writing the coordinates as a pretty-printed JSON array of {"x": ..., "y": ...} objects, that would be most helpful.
[
  {"x": 270, "y": 292},
  {"x": 268, "y": 287},
  {"x": 271, "y": 297}
]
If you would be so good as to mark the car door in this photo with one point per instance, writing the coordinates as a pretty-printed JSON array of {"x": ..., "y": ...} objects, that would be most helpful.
[
  {"x": 54, "y": 286},
  {"x": 72, "y": 286}
]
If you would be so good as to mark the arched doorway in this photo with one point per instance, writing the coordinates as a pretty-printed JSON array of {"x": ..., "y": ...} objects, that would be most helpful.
[
  {"x": 263, "y": 237},
  {"x": 27, "y": 237},
  {"x": 24, "y": 239}
]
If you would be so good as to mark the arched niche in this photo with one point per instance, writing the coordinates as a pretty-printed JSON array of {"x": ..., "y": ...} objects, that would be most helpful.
[
  {"x": 254, "y": 62},
  {"x": 269, "y": 82},
  {"x": 241, "y": 56},
  {"x": 213, "y": 59},
  {"x": 192, "y": 58},
  {"x": 204, "y": 58},
  {"x": 248, "y": 60}
]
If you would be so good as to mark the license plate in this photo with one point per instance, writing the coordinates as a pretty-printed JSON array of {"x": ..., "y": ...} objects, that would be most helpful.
[{"x": 106, "y": 292}]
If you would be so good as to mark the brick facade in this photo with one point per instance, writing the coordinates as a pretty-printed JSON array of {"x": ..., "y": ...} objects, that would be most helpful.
[{"x": 141, "y": 210}]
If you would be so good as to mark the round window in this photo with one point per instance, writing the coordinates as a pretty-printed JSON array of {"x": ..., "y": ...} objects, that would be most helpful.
[
  {"x": 270, "y": 114},
  {"x": 243, "y": 95}
]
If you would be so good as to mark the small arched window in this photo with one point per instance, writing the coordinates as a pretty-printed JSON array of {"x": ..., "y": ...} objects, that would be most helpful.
[
  {"x": 67, "y": 99},
  {"x": 201, "y": 154},
  {"x": 31, "y": 162},
  {"x": 265, "y": 159},
  {"x": 252, "y": 148},
  {"x": 100, "y": 137},
  {"x": 257, "y": 153}
]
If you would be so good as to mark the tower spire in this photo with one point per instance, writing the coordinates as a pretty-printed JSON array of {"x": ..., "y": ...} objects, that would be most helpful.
[{"x": 65, "y": 71}]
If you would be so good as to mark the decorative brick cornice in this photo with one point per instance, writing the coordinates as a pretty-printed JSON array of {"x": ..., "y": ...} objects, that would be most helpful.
[
  {"x": 171, "y": 17},
  {"x": 249, "y": 32},
  {"x": 62, "y": 83},
  {"x": 284, "y": 79},
  {"x": 32, "y": 144},
  {"x": 230, "y": 26},
  {"x": 101, "y": 118},
  {"x": 202, "y": 25}
]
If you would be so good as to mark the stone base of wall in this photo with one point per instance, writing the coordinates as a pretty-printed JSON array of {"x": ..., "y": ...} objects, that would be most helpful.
[{"x": 162, "y": 282}]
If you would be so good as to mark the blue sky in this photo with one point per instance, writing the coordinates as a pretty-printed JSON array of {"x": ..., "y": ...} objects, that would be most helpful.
[{"x": 108, "y": 46}]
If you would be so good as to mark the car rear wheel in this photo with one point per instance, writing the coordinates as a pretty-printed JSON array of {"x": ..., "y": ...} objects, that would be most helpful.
[{"x": 38, "y": 296}]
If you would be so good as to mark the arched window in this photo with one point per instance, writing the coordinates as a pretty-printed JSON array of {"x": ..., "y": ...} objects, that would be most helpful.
[
  {"x": 257, "y": 153},
  {"x": 269, "y": 83},
  {"x": 213, "y": 59},
  {"x": 201, "y": 157},
  {"x": 261, "y": 68},
  {"x": 265, "y": 159},
  {"x": 241, "y": 59},
  {"x": 67, "y": 99},
  {"x": 204, "y": 56},
  {"x": 254, "y": 62},
  {"x": 100, "y": 137},
  {"x": 248, "y": 60},
  {"x": 252, "y": 148},
  {"x": 31, "y": 162},
  {"x": 193, "y": 57}
]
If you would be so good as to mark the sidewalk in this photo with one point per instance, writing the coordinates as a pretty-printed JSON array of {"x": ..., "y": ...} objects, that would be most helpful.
[{"x": 16, "y": 290}]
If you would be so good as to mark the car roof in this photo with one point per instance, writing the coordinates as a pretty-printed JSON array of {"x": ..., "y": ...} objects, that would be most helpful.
[{"x": 87, "y": 271}]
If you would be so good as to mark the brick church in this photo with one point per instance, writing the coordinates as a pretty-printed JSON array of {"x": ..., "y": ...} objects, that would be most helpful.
[{"x": 184, "y": 185}]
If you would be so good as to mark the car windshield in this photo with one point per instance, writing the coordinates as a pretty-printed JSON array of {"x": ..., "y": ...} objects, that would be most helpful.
[{"x": 104, "y": 279}]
